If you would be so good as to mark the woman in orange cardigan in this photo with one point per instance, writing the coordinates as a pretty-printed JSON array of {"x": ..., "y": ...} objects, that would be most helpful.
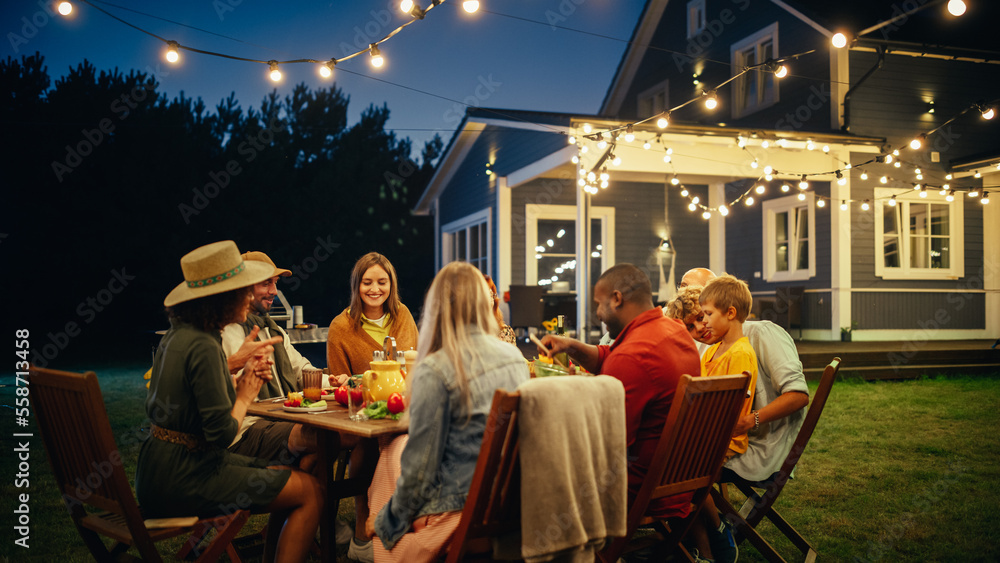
[{"x": 375, "y": 313}]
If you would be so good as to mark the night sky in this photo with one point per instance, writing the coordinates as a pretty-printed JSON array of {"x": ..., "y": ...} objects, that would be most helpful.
[{"x": 493, "y": 58}]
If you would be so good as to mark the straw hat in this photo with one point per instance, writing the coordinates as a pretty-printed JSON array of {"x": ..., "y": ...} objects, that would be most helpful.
[
  {"x": 216, "y": 268},
  {"x": 258, "y": 256}
]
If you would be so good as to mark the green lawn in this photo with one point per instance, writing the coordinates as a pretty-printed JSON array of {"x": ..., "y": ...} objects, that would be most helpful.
[{"x": 896, "y": 471}]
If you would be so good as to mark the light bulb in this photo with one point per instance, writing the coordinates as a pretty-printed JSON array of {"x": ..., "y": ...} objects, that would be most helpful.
[
  {"x": 571, "y": 140},
  {"x": 692, "y": 206},
  {"x": 923, "y": 192},
  {"x": 587, "y": 128},
  {"x": 629, "y": 137},
  {"x": 759, "y": 189},
  {"x": 376, "y": 56},
  {"x": 781, "y": 72},
  {"x": 802, "y": 196},
  {"x": 864, "y": 175},
  {"x": 711, "y": 100},
  {"x": 898, "y": 164},
  {"x": 741, "y": 142},
  {"x": 748, "y": 201},
  {"x": 684, "y": 192},
  {"x": 826, "y": 148},
  {"x": 947, "y": 176},
  {"x": 864, "y": 205},
  {"x": 675, "y": 181},
  {"x": 696, "y": 199},
  {"x": 978, "y": 174},
  {"x": 839, "y": 40},
  {"x": 617, "y": 161},
  {"x": 723, "y": 210},
  {"x": 803, "y": 184},
  {"x": 950, "y": 196},
  {"x": 915, "y": 143},
  {"x": 667, "y": 158},
  {"x": 943, "y": 191},
  {"x": 646, "y": 145},
  {"x": 842, "y": 181},
  {"x": 65, "y": 8},
  {"x": 275, "y": 73},
  {"x": 956, "y": 7},
  {"x": 754, "y": 164},
  {"x": 973, "y": 192},
  {"x": 988, "y": 113},
  {"x": 883, "y": 180},
  {"x": 602, "y": 144},
  {"x": 843, "y": 205},
  {"x": 768, "y": 169},
  {"x": 764, "y": 144},
  {"x": 662, "y": 122},
  {"x": 768, "y": 177},
  {"x": 820, "y": 202},
  {"x": 405, "y": 6},
  {"x": 326, "y": 69},
  {"x": 172, "y": 55},
  {"x": 591, "y": 176},
  {"x": 785, "y": 188},
  {"x": 888, "y": 159},
  {"x": 810, "y": 145},
  {"x": 986, "y": 199},
  {"x": 470, "y": 6},
  {"x": 706, "y": 215},
  {"x": 895, "y": 152},
  {"x": 892, "y": 201},
  {"x": 575, "y": 159}
]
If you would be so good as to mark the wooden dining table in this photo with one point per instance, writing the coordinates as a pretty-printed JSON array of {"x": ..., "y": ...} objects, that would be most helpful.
[{"x": 330, "y": 423}]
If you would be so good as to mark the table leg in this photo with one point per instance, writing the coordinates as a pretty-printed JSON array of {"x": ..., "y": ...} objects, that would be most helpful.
[{"x": 328, "y": 447}]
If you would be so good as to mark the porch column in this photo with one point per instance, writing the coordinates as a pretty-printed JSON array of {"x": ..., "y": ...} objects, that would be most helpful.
[
  {"x": 991, "y": 265},
  {"x": 582, "y": 261},
  {"x": 503, "y": 222},
  {"x": 716, "y": 229},
  {"x": 840, "y": 253}
]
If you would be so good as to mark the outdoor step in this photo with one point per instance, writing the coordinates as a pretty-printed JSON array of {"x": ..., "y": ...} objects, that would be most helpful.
[{"x": 905, "y": 371}]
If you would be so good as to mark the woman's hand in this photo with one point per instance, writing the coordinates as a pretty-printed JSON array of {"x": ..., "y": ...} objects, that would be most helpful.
[
  {"x": 256, "y": 371},
  {"x": 338, "y": 380}
]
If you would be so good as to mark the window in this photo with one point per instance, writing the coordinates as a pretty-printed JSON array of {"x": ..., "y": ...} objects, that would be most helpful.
[
  {"x": 918, "y": 237},
  {"x": 469, "y": 239},
  {"x": 789, "y": 238},
  {"x": 654, "y": 101},
  {"x": 758, "y": 88},
  {"x": 696, "y": 17},
  {"x": 550, "y": 240}
]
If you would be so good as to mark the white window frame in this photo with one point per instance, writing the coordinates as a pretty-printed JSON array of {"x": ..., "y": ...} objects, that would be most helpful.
[
  {"x": 770, "y": 208},
  {"x": 466, "y": 224},
  {"x": 956, "y": 230},
  {"x": 697, "y": 18},
  {"x": 739, "y": 85},
  {"x": 655, "y": 99},
  {"x": 534, "y": 212}
]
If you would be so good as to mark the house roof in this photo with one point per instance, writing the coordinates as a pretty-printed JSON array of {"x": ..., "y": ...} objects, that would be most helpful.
[{"x": 930, "y": 30}]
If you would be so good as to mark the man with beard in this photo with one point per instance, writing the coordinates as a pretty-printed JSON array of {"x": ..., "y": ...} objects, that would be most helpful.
[{"x": 649, "y": 355}]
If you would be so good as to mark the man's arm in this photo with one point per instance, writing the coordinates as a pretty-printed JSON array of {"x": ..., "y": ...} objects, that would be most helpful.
[
  {"x": 784, "y": 405},
  {"x": 247, "y": 348},
  {"x": 779, "y": 360},
  {"x": 586, "y": 355}
]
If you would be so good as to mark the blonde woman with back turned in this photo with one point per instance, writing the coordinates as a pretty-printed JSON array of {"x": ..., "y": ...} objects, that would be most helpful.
[{"x": 423, "y": 478}]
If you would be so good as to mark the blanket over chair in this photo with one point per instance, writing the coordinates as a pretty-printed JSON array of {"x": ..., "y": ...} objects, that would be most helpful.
[{"x": 573, "y": 466}]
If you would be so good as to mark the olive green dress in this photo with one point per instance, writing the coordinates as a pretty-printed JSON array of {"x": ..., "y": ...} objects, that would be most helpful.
[{"x": 191, "y": 391}]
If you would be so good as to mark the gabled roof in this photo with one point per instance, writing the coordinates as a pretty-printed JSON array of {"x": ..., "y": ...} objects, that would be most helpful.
[{"x": 473, "y": 124}]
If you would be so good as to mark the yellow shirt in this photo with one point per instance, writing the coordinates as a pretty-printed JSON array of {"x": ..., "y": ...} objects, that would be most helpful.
[
  {"x": 375, "y": 331},
  {"x": 737, "y": 359}
]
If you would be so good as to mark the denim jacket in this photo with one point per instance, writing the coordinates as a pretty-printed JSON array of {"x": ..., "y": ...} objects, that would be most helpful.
[{"x": 440, "y": 456}]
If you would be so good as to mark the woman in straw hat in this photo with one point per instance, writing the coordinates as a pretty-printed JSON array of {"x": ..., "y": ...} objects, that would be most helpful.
[
  {"x": 196, "y": 409},
  {"x": 422, "y": 480}
]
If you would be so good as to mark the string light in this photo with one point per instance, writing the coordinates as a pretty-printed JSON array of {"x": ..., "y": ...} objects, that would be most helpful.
[
  {"x": 470, "y": 6},
  {"x": 723, "y": 210},
  {"x": 684, "y": 192},
  {"x": 956, "y": 7},
  {"x": 376, "y": 56},
  {"x": 826, "y": 148},
  {"x": 803, "y": 184},
  {"x": 587, "y": 128},
  {"x": 760, "y": 189},
  {"x": 916, "y": 143},
  {"x": 892, "y": 201},
  {"x": 883, "y": 180},
  {"x": 820, "y": 202},
  {"x": 802, "y": 196},
  {"x": 629, "y": 135},
  {"x": 843, "y": 205},
  {"x": 675, "y": 181},
  {"x": 781, "y": 72},
  {"x": 326, "y": 69},
  {"x": 65, "y": 8},
  {"x": 663, "y": 121},
  {"x": 973, "y": 192},
  {"x": 865, "y": 206},
  {"x": 647, "y": 145},
  {"x": 887, "y": 159},
  {"x": 988, "y": 113},
  {"x": 864, "y": 175},
  {"x": 810, "y": 145},
  {"x": 275, "y": 74},
  {"x": 711, "y": 100},
  {"x": 706, "y": 215},
  {"x": 839, "y": 40},
  {"x": 692, "y": 206},
  {"x": 950, "y": 196},
  {"x": 785, "y": 188},
  {"x": 978, "y": 174},
  {"x": 840, "y": 178},
  {"x": 923, "y": 192},
  {"x": 171, "y": 55},
  {"x": 986, "y": 198},
  {"x": 748, "y": 201},
  {"x": 947, "y": 176}
]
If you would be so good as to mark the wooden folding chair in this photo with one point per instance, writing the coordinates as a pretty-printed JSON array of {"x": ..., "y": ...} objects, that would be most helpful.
[
  {"x": 493, "y": 506},
  {"x": 88, "y": 469},
  {"x": 688, "y": 456},
  {"x": 759, "y": 505}
]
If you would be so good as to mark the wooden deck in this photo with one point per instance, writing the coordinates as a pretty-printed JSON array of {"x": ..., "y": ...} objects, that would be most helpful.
[{"x": 901, "y": 359}]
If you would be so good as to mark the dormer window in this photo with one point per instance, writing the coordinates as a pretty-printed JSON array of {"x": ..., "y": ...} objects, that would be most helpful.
[
  {"x": 696, "y": 17},
  {"x": 757, "y": 88}
]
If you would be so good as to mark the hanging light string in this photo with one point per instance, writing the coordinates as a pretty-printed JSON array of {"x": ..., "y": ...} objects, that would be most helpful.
[{"x": 415, "y": 12}]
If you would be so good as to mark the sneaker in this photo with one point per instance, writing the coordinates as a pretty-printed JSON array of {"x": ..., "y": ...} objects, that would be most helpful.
[
  {"x": 699, "y": 559},
  {"x": 723, "y": 545},
  {"x": 363, "y": 553},
  {"x": 342, "y": 532}
]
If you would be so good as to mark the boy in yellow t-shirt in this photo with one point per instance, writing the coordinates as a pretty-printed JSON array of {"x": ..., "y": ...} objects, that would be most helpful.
[{"x": 725, "y": 302}]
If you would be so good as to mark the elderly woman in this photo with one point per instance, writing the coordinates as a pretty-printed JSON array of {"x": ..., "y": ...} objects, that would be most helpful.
[
  {"x": 185, "y": 469},
  {"x": 422, "y": 479},
  {"x": 375, "y": 312}
]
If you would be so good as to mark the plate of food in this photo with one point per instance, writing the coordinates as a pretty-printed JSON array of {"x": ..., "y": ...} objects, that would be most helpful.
[{"x": 297, "y": 403}]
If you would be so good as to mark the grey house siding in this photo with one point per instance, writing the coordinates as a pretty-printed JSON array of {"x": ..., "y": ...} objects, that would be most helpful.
[
  {"x": 816, "y": 310},
  {"x": 639, "y": 217},
  {"x": 923, "y": 311},
  {"x": 885, "y": 105},
  {"x": 688, "y": 231},
  {"x": 728, "y": 23}
]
